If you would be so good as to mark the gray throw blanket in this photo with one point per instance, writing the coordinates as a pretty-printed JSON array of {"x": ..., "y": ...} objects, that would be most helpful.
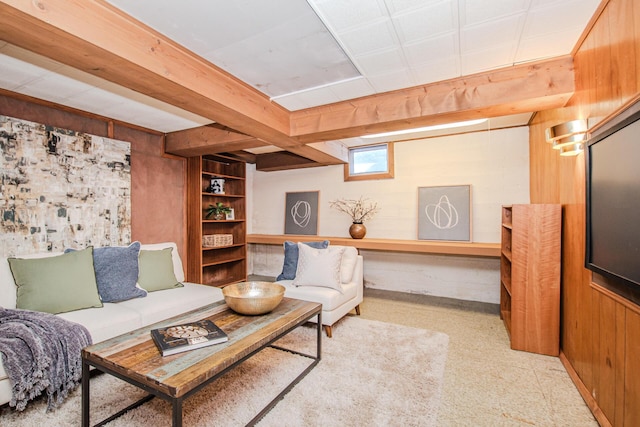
[{"x": 41, "y": 352}]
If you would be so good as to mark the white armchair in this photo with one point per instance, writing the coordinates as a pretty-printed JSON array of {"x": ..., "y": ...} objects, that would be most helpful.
[{"x": 313, "y": 282}]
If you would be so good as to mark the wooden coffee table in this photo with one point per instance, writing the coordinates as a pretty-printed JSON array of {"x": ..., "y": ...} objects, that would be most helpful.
[{"x": 134, "y": 358}]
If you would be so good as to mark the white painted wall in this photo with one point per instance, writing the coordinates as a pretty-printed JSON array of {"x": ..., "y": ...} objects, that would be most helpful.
[{"x": 494, "y": 163}]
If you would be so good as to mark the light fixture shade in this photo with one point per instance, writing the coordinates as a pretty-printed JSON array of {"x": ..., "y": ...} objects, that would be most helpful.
[
  {"x": 571, "y": 150},
  {"x": 569, "y": 140},
  {"x": 567, "y": 129}
]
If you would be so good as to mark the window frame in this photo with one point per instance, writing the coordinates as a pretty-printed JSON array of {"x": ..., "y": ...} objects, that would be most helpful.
[{"x": 389, "y": 174}]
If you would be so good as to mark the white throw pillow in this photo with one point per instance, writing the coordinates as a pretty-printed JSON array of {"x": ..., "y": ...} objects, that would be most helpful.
[{"x": 319, "y": 267}]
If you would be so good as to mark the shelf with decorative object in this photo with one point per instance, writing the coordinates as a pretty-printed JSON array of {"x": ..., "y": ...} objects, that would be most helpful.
[
  {"x": 530, "y": 276},
  {"x": 216, "y": 220}
]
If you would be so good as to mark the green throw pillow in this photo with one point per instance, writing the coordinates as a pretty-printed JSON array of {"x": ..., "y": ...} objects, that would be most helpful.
[
  {"x": 156, "y": 270},
  {"x": 56, "y": 284}
]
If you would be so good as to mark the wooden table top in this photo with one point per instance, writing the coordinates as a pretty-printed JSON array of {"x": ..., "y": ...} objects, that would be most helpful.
[{"x": 134, "y": 355}]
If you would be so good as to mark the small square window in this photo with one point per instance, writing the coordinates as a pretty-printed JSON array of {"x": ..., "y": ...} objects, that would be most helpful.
[{"x": 370, "y": 162}]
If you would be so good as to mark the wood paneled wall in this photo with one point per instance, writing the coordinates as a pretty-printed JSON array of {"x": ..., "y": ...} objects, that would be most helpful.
[
  {"x": 600, "y": 335},
  {"x": 157, "y": 181}
]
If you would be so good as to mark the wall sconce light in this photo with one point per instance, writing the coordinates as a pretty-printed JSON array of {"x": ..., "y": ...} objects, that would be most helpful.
[{"x": 568, "y": 137}]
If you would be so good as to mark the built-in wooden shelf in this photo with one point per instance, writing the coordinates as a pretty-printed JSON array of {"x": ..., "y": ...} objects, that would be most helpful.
[{"x": 390, "y": 245}]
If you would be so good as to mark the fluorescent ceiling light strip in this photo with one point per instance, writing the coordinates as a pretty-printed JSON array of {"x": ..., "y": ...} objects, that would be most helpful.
[{"x": 427, "y": 128}]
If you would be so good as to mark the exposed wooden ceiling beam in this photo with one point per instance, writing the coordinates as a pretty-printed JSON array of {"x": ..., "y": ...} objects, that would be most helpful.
[
  {"x": 209, "y": 139},
  {"x": 511, "y": 90},
  {"x": 282, "y": 160},
  {"x": 97, "y": 38}
]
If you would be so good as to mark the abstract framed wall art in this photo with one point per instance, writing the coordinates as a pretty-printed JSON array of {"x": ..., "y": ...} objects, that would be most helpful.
[
  {"x": 444, "y": 213},
  {"x": 301, "y": 213}
]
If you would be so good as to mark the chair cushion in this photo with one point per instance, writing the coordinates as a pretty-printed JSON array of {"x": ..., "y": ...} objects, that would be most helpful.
[
  {"x": 348, "y": 265},
  {"x": 319, "y": 267},
  {"x": 328, "y": 297},
  {"x": 291, "y": 254}
]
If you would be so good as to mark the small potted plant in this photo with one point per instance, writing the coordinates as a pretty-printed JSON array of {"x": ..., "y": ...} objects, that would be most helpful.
[{"x": 218, "y": 211}]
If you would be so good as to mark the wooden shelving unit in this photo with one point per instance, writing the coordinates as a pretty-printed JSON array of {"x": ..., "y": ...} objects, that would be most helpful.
[
  {"x": 220, "y": 265},
  {"x": 530, "y": 276}
]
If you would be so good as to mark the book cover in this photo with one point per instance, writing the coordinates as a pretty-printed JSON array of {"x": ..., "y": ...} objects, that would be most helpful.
[{"x": 188, "y": 336}]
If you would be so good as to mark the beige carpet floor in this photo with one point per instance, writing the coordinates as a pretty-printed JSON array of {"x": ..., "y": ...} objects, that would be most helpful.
[
  {"x": 485, "y": 383},
  {"x": 371, "y": 373}
]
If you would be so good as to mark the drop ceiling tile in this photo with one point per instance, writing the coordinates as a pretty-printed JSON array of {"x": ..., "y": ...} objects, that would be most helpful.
[
  {"x": 403, "y": 6},
  {"x": 391, "y": 81},
  {"x": 343, "y": 15},
  {"x": 555, "y": 16},
  {"x": 426, "y": 51},
  {"x": 30, "y": 58},
  {"x": 16, "y": 73},
  {"x": 426, "y": 22},
  {"x": 436, "y": 70},
  {"x": 483, "y": 60},
  {"x": 477, "y": 11},
  {"x": 319, "y": 96},
  {"x": 351, "y": 89},
  {"x": 54, "y": 87},
  {"x": 292, "y": 102},
  {"x": 374, "y": 37},
  {"x": 548, "y": 45},
  {"x": 381, "y": 62},
  {"x": 496, "y": 32}
]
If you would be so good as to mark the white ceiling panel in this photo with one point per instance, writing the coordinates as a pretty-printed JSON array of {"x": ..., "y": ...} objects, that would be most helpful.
[
  {"x": 382, "y": 62},
  {"x": 426, "y": 22},
  {"x": 392, "y": 81},
  {"x": 497, "y": 32},
  {"x": 374, "y": 37},
  {"x": 477, "y": 11},
  {"x": 483, "y": 60},
  {"x": 305, "y": 53},
  {"x": 534, "y": 47},
  {"x": 436, "y": 70},
  {"x": 445, "y": 47},
  {"x": 279, "y": 49},
  {"x": 340, "y": 15}
]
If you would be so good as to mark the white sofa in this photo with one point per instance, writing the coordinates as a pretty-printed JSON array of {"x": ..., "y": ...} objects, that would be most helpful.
[
  {"x": 335, "y": 304},
  {"x": 117, "y": 318}
]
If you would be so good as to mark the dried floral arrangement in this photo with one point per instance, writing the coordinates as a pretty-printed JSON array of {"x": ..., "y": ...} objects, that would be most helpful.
[{"x": 360, "y": 210}]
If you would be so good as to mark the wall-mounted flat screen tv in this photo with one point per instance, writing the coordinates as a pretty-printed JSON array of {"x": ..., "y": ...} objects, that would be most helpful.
[{"x": 613, "y": 199}]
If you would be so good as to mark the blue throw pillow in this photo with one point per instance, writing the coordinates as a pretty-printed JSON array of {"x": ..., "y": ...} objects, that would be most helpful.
[
  {"x": 117, "y": 272},
  {"x": 291, "y": 258}
]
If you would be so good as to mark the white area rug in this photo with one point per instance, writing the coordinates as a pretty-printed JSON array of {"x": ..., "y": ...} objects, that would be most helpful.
[{"x": 371, "y": 373}]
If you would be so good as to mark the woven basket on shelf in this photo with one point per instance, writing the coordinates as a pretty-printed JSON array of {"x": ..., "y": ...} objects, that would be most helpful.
[{"x": 216, "y": 240}]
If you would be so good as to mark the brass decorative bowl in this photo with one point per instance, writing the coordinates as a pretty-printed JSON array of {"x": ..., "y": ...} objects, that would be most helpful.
[{"x": 253, "y": 298}]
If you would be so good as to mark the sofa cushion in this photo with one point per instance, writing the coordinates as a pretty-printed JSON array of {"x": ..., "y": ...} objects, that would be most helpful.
[
  {"x": 116, "y": 270},
  {"x": 8, "y": 291},
  {"x": 57, "y": 284},
  {"x": 163, "y": 304},
  {"x": 319, "y": 267},
  {"x": 175, "y": 256},
  {"x": 107, "y": 322},
  {"x": 291, "y": 254},
  {"x": 156, "y": 270}
]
